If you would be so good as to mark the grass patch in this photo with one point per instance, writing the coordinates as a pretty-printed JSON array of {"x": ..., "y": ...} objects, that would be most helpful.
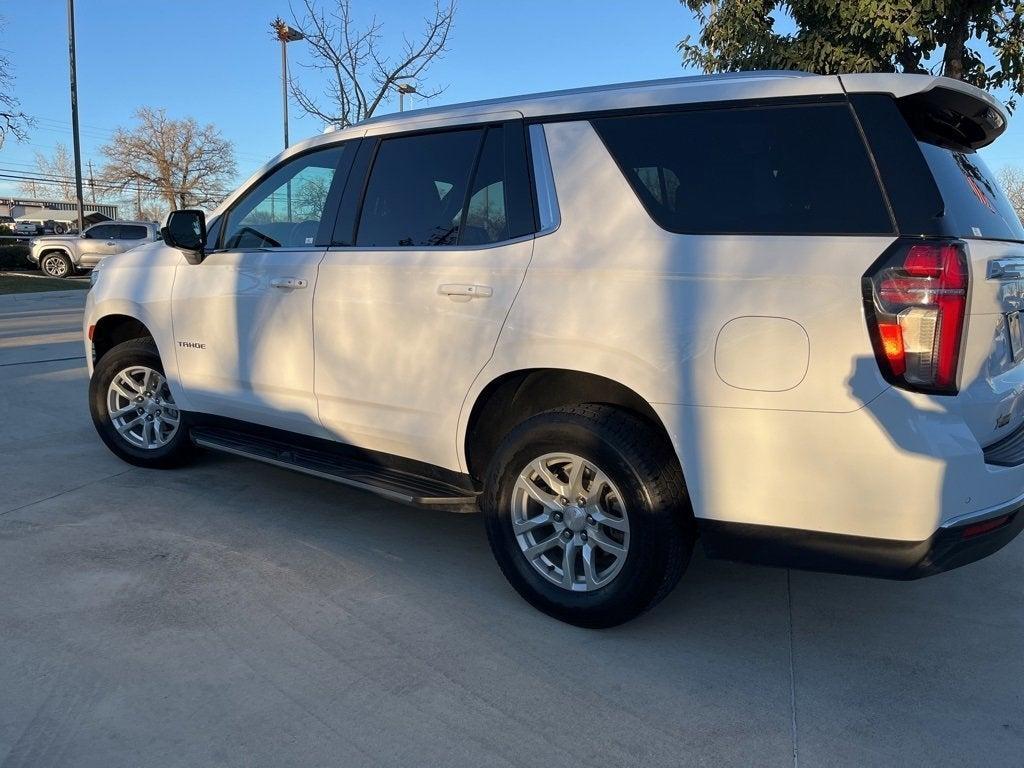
[{"x": 14, "y": 283}]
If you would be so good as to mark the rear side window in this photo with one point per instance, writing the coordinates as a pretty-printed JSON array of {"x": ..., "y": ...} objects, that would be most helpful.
[
  {"x": 417, "y": 188},
  {"x": 976, "y": 206},
  {"x": 460, "y": 187},
  {"x": 132, "y": 232},
  {"x": 786, "y": 170}
]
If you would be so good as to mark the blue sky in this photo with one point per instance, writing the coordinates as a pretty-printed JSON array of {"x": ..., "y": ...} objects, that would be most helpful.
[{"x": 217, "y": 62}]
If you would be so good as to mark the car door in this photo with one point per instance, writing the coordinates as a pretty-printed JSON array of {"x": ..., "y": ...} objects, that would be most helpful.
[
  {"x": 413, "y": 292},
  {"x": 243, "y": 317},
  {"x": 97, "y": 242}
]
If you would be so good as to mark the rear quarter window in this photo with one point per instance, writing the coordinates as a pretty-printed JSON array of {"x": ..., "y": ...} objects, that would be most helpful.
[
  {"x": 975, "y": 204},
  {"x": 784, "y": 170}
]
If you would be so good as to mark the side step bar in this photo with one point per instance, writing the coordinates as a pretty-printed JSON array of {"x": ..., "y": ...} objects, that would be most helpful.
[{"x": 384, "y": 481}]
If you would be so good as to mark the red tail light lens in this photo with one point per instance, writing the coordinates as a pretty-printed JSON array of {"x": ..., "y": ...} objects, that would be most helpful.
[{"x": 916, "y": 301}]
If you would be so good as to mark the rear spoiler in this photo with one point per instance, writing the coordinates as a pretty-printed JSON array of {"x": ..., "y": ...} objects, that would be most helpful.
[{"x": 938, "y": 109}]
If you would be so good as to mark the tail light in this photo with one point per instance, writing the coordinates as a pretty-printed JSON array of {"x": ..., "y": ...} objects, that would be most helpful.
[{"x": 915, "y": 299}]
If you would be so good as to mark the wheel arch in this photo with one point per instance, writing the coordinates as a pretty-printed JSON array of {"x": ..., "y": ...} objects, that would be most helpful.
[
  {"x": 61, "y": 249},
  {"x": 515, "y": 396},
  {"x": 111, "y": 330}
]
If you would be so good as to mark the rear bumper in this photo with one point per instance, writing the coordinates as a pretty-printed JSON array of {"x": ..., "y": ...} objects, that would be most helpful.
[{"x": 955, "y": 544}]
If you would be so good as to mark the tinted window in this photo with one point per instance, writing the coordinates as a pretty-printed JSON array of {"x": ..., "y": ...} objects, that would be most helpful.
[
  {"x": 417, "y": 189},
  {"x": 103, "y": 232},
  {"x": 486, "y": 218},
  {"x": 286, "y": 208},
  {"x": 976, "y": 205},
  {"x": 131, "y": 232},
  {"x": 779, "y": 170}
]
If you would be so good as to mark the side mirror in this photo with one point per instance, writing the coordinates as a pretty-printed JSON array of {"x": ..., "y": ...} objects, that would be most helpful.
[{"x": 186, "y": 231}]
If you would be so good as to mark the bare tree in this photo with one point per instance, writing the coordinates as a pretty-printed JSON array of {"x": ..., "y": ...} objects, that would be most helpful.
[
  {"x": 13, "y": 122},
  {"x": 360, "y": 75},
  {"x": 1012, "y": 179},
  {"x": 175, "y": 160},
  {"x": 57, "y": 175}
]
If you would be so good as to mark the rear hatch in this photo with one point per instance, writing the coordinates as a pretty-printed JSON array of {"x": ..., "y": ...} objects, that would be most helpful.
[
  {"x": 991, "y": 397},
  {"x": 950, "y": 211}
]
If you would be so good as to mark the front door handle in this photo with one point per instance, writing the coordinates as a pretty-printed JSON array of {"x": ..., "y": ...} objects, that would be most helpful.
[
  {"x": 289, "y": 283},
  {"x": 465, "y": 291},
  {"x": 111, "y": 242}
]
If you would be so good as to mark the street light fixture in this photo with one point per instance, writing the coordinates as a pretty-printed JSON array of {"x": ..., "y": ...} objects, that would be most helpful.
[
  {"x": 403, "y": 90},
  {"x": 286, "y": 35}
]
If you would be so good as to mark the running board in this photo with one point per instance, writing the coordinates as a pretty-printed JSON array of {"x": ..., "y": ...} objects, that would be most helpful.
[{"x": 384, "y": 481}]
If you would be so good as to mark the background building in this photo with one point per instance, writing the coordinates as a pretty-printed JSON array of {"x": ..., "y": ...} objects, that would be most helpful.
[{"x": 58, "y": 211}]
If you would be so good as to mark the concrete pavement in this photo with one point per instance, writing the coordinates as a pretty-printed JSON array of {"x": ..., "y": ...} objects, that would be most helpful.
[{"x": 234, "y": 614}]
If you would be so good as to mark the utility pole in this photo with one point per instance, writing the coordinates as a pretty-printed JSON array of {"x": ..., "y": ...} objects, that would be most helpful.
[
  {"x": 74, "y": 114},
  {"x": 138, "y": 199},
  {"x": 92, "y": 184}
]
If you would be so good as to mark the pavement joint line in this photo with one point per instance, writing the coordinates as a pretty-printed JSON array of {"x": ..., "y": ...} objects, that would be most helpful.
[
  {"x": 792, "y": 667},
  {"x": 39, "y": 362},
  {"x": 68, "y": 490}
]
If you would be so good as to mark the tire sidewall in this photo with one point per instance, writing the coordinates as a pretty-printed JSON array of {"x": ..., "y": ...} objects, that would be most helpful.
[
  {"x": 120, "y": 357},
  {"x": 645, "y": 561}
]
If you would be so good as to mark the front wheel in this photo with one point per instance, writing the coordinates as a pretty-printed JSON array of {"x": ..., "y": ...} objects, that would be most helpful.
[
  {"x": 133, "y": 409},
  {"x": 587, "y": 514},
  {"x": 57, "y": 265}
]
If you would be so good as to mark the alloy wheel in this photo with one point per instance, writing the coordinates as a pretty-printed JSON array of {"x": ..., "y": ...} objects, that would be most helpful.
[
  {"x": 570, "y": 522},
  {"x": 141, "y": 407},
  {"x": 55, "y": 266}
]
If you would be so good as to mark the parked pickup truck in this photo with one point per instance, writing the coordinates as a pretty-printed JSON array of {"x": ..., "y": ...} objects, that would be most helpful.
[{"x": 63, "y": 256}]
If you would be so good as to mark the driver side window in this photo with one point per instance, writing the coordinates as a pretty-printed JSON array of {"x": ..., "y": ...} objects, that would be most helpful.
[
  {"x": 102, "y": 232},
  {"x": 285, "y": 209}
]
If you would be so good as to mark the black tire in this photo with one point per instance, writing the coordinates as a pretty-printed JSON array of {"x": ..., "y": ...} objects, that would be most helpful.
[
  {"x": 136, "y": 352},
  {"x": 56, "y": 265},
  {"x": 641, "y": 463}
]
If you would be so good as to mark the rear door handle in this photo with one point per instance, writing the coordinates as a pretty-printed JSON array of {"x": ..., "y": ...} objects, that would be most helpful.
[
  {"x": 289, "y": 283},
  {"x": 465, "y": 291},
  {"x": 111, "y": 242}
]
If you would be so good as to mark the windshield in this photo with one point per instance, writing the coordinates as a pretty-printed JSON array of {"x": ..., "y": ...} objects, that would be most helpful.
[{"x": 976, "y": 205}]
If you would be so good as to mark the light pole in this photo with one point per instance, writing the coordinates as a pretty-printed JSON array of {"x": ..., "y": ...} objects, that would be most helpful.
[
  {"x": 286, "y": 35},
  {"x": 403, "y": 90},
  {"x": 74, "y": 114}
]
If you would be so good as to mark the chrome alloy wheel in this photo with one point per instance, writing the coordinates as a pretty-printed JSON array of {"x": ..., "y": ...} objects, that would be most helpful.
[
  {"x": 570, "y": 522},
  {"x": 141, "y": 407},
  {"x": 55, "y": 266}
]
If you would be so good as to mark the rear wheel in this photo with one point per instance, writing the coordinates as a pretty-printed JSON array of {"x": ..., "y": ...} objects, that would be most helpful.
[
  {"x": 56, "y": 265},
  {"x": 133, "y": 409},
  {"x": 587, "y": 514}
]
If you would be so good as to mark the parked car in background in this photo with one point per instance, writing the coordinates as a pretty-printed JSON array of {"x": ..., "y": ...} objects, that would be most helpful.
[
  {"x": 27, "y": 228},
  {"x": 64, "y": 256},
  {"x": 7, "y": 225},
  {"x": 53, "y": 227},
  {"x": 776, "y": 313}
]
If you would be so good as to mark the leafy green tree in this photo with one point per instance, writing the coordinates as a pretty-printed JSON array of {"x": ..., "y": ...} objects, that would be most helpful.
[{"x": 978, "y": 41}]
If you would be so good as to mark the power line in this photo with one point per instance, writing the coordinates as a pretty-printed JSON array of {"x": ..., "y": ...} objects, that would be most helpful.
[{"x": 53, "y": 180}]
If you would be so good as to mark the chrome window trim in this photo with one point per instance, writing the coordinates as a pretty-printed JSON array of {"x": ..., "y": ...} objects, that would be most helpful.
[{"x": 550, "y": 217}]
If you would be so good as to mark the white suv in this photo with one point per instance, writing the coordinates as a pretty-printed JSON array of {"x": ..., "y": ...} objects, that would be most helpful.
[{"x": 776, "y": 312}]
